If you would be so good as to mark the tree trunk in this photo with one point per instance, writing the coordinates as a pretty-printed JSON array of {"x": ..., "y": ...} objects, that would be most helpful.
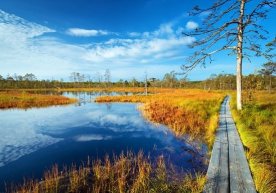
[
  {"x": 240, "y": 55},
  {"x": 270, "y": 83},
  {"x": 239, "y": 81},
  {"x": 146, "y": 85}
]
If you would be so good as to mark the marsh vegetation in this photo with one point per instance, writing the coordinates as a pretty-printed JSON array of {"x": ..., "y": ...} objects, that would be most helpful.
[
  {"x": 193, "y": 113},
  {"x": 124, "y": 173},
  {"x": 190, "y": 115},
  {"x": 97, "y": 134},
  {"x": 23, "y": 99},
  {"x": 256, "y": 125}
]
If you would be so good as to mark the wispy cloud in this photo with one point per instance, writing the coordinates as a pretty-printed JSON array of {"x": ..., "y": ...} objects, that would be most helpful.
[
  {"x": 86, "y": 32},
  {"x": 134, "y": 34},
  {"x": 137, "y": 48},
  {"x": 160, "y": 45},
  {"x": 30, "y": 47},
  {"x": 191, "y": 25},
  {"x": 9, "y": 23},
  {"x": 164, "y": 30}
]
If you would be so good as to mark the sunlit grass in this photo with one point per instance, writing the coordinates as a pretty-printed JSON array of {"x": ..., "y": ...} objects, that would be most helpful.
[
  {"x": 124, "y": 173},
  {"x": 16, "y": 99},
  {"x": 192, "y": 112},
  {"x": 256, "y": 124}
]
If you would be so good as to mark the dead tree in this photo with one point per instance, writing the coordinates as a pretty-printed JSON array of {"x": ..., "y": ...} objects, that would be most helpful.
[
  {"x": 233, "y": 26},
  {"x": 146, "y": 83}
]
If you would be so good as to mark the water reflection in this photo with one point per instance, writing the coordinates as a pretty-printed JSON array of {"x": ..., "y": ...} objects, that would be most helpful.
[{"x": 35, "y": 139}]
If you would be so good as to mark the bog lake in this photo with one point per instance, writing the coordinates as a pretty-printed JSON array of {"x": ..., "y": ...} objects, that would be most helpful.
[{"x": 33, "y": 140}]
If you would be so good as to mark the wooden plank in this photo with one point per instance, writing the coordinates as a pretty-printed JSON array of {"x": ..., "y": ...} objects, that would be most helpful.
[
  {"x": 217, "y": 174},
  {"x": 240, "y": 175},
  {"x": 228, "y": 169}
]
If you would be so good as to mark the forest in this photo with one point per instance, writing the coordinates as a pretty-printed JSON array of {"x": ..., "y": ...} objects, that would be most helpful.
[{"x": 263, "y": 79}]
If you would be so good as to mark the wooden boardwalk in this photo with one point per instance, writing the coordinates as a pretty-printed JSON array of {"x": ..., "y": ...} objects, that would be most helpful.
[{"x": 228, "y": 169}]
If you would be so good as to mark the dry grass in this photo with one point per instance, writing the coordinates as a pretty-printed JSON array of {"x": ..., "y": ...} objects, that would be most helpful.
[
  {"x": 256, "y": 124},
  {"x": 192, "y": 112},
  {"x": 127, "y": 173},
  {"x": 16, "y": 99}
]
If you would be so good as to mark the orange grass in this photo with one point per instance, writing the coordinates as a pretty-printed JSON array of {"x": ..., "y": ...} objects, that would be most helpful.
[
  {"x": 192, "y": 112},
  {"x": 16, "y": 99},
  {"x": 124, "y": 173}
]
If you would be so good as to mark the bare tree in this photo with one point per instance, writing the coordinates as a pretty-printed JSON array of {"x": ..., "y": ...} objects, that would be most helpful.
[
  {"x": 268, "y": 69},
  {"x": 107, "y": 77},
  {"x": 73, "y": 77},
  {"x": 98, "y": 78},
  {"x": 134, "y": 82},
  {"x": 230, "y": 25},
  {"x": 146, "y": 83},
  {"x": 89, "y": 80},
  {"x": 170, "y": 79}
]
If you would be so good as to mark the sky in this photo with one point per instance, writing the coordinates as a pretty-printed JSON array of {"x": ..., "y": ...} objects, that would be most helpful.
[{"x": 52, "y": 39}]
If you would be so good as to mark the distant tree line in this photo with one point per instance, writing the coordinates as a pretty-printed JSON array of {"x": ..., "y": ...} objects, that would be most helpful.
[
  {"x": 78, "y": 80},
  {"x": 264, "y": 79}
]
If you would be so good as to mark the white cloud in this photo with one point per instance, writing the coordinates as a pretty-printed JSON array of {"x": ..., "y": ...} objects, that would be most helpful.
[
  {"x": 139, "y": 48},
  {"x": 15, "y": 31},
  {"x": 9, "y": 23},
  {"x": 86, "y": 32},
  {"x": 191, "y": 25},
  {"x": 26, "y": 48},
  {"x": 30, "y": 47},
  {"x": 134, "y": 34},
  {"x": 164, "y": 30}
]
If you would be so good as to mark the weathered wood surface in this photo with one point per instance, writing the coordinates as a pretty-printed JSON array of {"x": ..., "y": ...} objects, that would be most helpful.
[{"x": 228, "y": 169}]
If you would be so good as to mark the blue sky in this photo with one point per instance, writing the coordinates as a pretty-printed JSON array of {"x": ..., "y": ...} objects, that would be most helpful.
[{"x": 54, "y": 38}]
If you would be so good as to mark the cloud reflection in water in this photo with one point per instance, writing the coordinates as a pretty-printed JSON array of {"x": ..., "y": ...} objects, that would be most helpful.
[{"x": 24, "y": 132}]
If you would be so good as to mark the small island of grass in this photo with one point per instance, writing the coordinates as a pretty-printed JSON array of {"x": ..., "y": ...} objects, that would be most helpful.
[{"x": 22, "y": 99}]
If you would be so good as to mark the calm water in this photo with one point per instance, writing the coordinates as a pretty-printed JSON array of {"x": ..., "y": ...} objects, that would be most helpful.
[{"x": 33, "y": 140}]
